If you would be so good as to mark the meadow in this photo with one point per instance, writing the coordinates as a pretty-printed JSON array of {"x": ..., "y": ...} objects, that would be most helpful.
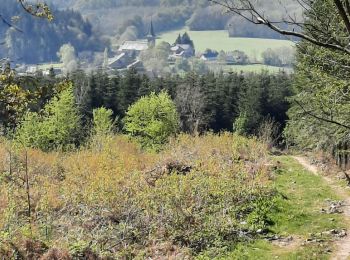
[
  {"x": 220, "y": 40},
  {"x": 251, "y": 68}
]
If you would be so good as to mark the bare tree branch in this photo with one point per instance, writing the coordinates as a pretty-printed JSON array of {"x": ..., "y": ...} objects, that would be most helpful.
[
  {"x": 343, "y": 14},
  {"x": 310, "y": 113},
  {"x": 248, "y": 11}
]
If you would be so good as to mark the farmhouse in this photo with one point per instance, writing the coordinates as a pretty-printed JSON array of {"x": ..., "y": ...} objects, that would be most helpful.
[
  {"x": 209, "y": 55},
  {"x": 182, "y": 51}
]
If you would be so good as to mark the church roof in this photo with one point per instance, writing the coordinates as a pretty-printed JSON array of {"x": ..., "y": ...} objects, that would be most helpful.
[
  {"x": 134, "y": 45},
  {"x": 116, "y": 58},
  {"x": 181, "y": 46},
  {"x": 151, "y": 32},
  {"x": 185, "y": 46}
]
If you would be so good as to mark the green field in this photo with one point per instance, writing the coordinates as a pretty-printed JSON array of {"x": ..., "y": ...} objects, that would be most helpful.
[
  {"x": 248, "y": 68},
  {"x": 220, "y": 40},
  {"x": 47, "y": 66}
]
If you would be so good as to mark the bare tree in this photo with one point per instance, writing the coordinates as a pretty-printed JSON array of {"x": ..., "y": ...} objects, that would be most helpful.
[
  {"x": 191, "y": 104},
  {"x": 320, "y": 34}
]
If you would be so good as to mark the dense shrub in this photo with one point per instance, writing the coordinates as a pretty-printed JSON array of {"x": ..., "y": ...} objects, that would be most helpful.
[
  {"x": 152, "y": 120},
  {"x": 199, "y": 193}
]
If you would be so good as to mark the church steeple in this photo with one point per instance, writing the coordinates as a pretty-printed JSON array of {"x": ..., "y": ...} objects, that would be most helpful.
[{"x": 151, "y": 36}]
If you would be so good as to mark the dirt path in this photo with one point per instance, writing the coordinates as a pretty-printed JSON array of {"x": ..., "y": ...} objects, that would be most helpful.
[{"x": 343, "y": 245}]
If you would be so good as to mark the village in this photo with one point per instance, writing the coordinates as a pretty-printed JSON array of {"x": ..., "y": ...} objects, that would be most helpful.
[{"x": 132, "y": 54}]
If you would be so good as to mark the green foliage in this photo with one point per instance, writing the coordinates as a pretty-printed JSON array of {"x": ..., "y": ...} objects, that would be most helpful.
[
  {"x": 156, "y": 59},
  {"x": 14, "y": 99},
  {"x": 58, "y": 126},
  {"x": 184, "y": 39},
  {"x": 102, "y": 129},
  {"x": 125, "y": 202},
  {"x": 240, "y": 126},
  {"x": 102, "y": 121},
  {"x": 152, "y": 120},
  {"x": 319, "y": 116},
  {"x": 259, "y": 218}
]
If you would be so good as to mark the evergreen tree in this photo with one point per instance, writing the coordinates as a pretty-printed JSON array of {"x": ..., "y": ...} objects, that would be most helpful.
[
  {"x": 178, "y": 40},
  {"x": 185, "y": 39},
  {"x": 249, "y": 106},
  {"x": 129, "y": 89},
  {"x": 319, "y": 117},
  {"x": 110, "y": 97}
]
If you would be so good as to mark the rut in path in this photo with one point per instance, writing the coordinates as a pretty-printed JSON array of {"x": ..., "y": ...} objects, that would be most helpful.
[{"x": 342, "y": 246}]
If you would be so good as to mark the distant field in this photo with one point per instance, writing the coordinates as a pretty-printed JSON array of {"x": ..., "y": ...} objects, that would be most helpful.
[
  {"x": 50, "y": 65},
  {"x": 219, "y": 40},
  {"x": 249, "y": 68}
]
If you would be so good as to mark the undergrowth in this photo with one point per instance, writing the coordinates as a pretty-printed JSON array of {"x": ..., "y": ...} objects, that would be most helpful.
[{"x": 115, "y": 201}]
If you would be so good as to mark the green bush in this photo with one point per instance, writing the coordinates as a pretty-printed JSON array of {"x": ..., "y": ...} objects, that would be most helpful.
[
  {"x": 58, "y": 126},
  {"x": 102, "y": 129},
  {"x": 152, "y": 120}
]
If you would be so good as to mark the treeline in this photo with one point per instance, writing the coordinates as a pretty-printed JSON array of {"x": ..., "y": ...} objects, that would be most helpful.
[
  {"x": 198, "y": 15},
  {"x": 207, "y": 102}
]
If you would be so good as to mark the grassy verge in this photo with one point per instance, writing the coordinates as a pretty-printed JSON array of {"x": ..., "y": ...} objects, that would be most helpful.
[{"x": 298, "y": 214}]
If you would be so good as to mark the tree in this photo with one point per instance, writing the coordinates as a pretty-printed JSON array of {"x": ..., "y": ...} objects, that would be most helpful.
[
  {"x": 105, "y": 59},
  {"x": 198, "y": 66},
  {"x": 222, "y": 57},
  {"x": 178, "y": 40},
  {"x": 270, "y": 57},
  {"x": 319, "y": 116},
  {"x": 190, "y": 102},
  {"x": 129, "y": 90},
  {"x": 185, "y": 39},
  {"x": 182, "y": 64},
  {"x": 14, "y": 100},
  {"x": 152, "y": 120},
  {"x": 58, "y": 126},
  {"x": 249, "y": 107},
  {"x": 68, "y": 58},
  {"x": 102, "y": 129},
  {"x": 156, "y": 59},
  {"x": 102, "y": 121}
]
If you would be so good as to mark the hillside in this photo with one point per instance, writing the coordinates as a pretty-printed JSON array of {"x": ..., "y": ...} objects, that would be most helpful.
[
  {"x": 147, "y": 140},
  {"x": 40, "y": 41},
  {"x": 87, "y": 213}
]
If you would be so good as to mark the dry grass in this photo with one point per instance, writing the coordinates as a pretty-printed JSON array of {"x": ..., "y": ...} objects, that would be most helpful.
[{"x": 102, "y": 199}]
